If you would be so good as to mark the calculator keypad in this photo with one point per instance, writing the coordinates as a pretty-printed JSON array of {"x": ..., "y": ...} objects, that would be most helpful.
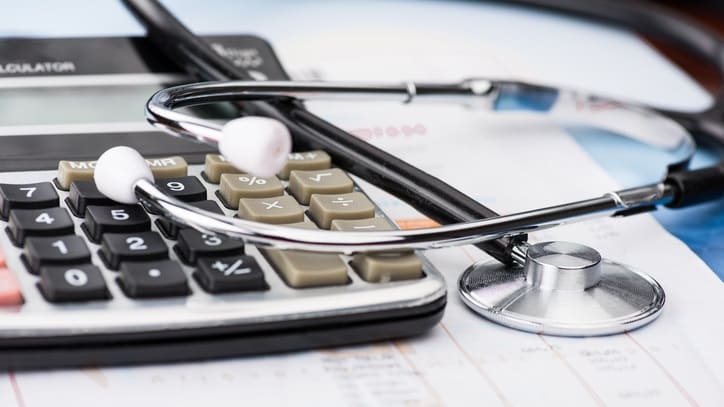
[{"x": 123, "y": 253}]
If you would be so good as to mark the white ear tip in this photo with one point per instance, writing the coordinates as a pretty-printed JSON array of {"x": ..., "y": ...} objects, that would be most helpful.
[
  {"x": 257, "y": 145},
  {"x": 117, "y": 171}
]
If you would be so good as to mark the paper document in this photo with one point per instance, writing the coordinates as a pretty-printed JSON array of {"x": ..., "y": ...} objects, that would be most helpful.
[
  {"x": 677, "y": 360},
  {"x": 510, "y": 162}
]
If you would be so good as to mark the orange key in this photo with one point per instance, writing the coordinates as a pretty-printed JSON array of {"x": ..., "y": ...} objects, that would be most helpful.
[{"x": 9, "y": 289}]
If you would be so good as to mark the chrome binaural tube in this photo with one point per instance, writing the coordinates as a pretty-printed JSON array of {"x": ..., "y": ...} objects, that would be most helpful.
[
  {"x": 565, "y": 106},
  {"x": 283, "y": 237}
]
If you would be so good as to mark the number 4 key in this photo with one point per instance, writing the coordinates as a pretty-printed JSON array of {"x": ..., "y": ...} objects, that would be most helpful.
[{"x": 39, "y": 222}]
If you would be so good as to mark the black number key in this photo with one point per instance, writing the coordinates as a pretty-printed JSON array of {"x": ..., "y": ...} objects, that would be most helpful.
[
  {"x": 170, "y": 229},
  {"x": 187, "y": 189},
  {"x": 115, "y": 219},
  {"x": 39, "y": 222},
  {"x": 193, "y": 245},
  {"x": 26, "y": 196},
  {"x": 83, "y": 194},
  {"x": 73, "y": 283},
  {"x": 144, "y": 246},
  {"x": 227, "y": 274},
  {"x": 155, "y": 279},
  {"x": 48, "y": 251}
]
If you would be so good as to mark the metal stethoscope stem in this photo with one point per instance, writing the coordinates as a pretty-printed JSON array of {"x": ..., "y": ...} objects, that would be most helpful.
[
  {"x": 282, "y": 237},
  {"x": 478, "y": 92},
  {"x": 564, "y": 105}
]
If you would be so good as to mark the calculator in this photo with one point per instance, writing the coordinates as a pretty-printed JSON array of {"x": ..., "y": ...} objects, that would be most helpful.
[{"x": 85, "y": 280}]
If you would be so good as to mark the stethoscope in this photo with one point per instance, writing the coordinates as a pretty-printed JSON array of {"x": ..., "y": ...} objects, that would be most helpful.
[{"x": 558, "y": 288}]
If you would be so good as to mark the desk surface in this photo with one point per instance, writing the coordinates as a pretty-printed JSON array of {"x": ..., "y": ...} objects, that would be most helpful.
[{"x": 675, "y": 361}]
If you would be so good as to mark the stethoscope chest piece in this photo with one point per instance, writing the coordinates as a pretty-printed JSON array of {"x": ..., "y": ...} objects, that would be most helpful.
[{"x": 562, "y": 289}]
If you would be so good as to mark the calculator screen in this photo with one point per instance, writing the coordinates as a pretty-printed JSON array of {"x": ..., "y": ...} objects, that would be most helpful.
[
  {"x": 43, "y": 123},
  {"x": 73, "y": 98},
  {"x": 77, "y": 104}
]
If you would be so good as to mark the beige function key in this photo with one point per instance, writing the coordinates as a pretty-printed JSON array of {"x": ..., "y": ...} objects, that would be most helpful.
[
  {"x": 323, "y": 209},
  {"x": 383, "y": 266},
  {"x": 360, "y": 225},
  {"x": 278, "y": 209},
  {"x": 164, "y": 167},
  {"x": 307, "y": 161},
  {"x": 301, "y": 269},
  {"x": 69, "y": 171},
  {"x": 303, "y": 184},
  {"x": 168, "y": 167},
  {"x": 236, "y": 186},
  {"x": 215, "y": 165}
]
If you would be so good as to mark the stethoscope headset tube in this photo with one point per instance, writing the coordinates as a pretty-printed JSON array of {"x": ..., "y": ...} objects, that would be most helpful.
[{"x": 679, "y": 190}]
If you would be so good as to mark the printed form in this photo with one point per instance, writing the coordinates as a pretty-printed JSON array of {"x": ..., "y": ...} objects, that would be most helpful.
[{"x": 511, "y": 162}]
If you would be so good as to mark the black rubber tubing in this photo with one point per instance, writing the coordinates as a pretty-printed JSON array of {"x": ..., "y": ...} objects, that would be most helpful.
[{"x": 429, "y": 195}]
